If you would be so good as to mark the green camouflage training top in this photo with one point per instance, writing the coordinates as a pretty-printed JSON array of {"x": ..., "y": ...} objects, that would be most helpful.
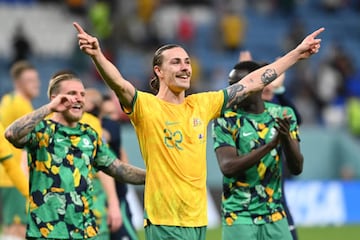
[
  {"x": 253, "y": 197},
  {"x": 62, "y": 161}
]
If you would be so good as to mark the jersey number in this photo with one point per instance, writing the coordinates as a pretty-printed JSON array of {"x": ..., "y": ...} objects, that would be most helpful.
[{"x": 173, "y": 139}]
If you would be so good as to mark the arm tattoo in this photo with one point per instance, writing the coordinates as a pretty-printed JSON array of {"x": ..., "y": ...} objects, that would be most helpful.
[
  {"x": 236, "y": 94},
  {"x": 268, "y": 76},
  {"x": 16, "y": 133},
  {"x": 124, "y": 172}
]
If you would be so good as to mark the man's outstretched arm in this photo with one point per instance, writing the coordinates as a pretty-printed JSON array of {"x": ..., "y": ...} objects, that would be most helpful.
[
  {"x": 256, "y": 80},
  {"x": 124, "y": 90}
]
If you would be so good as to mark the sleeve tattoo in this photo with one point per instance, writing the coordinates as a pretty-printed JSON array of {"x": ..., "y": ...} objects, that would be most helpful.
[
  {"x": 268, "y": 76},
  {"x": 236, "y": 94},
  {"x": 16, "y": 133},
  {"x": 124, "y": 172}
]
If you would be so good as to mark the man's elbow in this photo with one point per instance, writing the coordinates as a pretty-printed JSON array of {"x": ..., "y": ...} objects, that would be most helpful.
[
  {"x": 11, "y": 138},
  {"x": 228, "y": 170},
  {"x": 297, "y": 168},
  {"x": 296, "y": 171}
]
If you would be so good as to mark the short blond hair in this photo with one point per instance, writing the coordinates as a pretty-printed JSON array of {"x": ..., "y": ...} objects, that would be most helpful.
[
  {"x": 19, "y": 67},
  {"x": 57, "y": 78}
]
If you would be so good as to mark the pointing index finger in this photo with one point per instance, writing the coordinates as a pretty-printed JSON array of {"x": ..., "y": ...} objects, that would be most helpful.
[
  {"x": 78, "y": 27},
  {"x": 317, "y": 32}
]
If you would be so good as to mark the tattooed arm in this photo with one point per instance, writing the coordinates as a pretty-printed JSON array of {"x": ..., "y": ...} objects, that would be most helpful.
[
  {"x": 18, "y": 131},
  {"x": 124, "y": 172},
  {"x": 256, "y": 80}
]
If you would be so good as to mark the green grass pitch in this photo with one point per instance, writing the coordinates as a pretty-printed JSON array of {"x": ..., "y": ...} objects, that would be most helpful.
[{"x": 346, "y": 232}]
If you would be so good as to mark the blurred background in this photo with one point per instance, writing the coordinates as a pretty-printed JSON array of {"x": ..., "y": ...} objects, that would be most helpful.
[{"x": 325, "y": 89}]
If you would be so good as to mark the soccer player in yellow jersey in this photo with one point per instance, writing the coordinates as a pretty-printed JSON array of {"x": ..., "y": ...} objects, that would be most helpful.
[
  {"x": 172, "y": 130},
  {"x": 11, "y": 167},
  {"x": 14, "y": 105}
]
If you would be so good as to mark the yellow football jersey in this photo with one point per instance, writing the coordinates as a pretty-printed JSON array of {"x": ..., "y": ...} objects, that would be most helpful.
[
  {"x": 12, "y": 107},
  {"x": 10, "y": 166},
  {"x": 5, "y": 150},
  {"x": 172, "y": 139},
  {"x": 93, "y": 121}
]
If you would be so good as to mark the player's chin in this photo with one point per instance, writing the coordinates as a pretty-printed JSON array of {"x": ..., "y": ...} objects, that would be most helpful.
[
  {"x": 75, "y": 116},
  {"x": 184, "y": 85}
]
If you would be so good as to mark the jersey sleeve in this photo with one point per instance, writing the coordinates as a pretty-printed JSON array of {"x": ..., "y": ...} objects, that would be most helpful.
[
  {"x": 139, "y": 107},
  {"x": 104, "y": 156},
  {"x": 11, "y": 166},
  {"x": 222, "y": 135},
  {"x": 5, "y": 150},
  {"x": 16, "y": 175},
  {"x": 35, "y": 136},
  {"x": 214, "y": 102}
]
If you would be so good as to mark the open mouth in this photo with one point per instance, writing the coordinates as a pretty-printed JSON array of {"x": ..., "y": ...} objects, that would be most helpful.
[
  {"x": 77, "y": 107},
  {"x": 184, "y": 77}
]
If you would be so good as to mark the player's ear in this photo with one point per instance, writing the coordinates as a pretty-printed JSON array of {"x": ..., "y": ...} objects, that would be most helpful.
[{"x": 157, "y": 70}]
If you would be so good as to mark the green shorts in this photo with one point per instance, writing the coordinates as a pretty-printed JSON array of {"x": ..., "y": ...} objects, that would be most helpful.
[
  {"x": 13, "y": 206},
  {"x": 160, "y": 232},
  {"x": 99, "y": 237},
  {"x": 277, "y": 231}
]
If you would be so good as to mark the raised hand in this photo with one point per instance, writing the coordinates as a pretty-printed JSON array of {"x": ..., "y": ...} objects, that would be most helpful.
[
  {"x": 62, "y": 103},
  {"x": 310, "y": 45},
  {"x": 87, "y": 43},
  {"x": 283, "y": 126}
]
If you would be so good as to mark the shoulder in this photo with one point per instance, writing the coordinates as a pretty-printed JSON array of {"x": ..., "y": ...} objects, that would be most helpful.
[
  {"x": 207, "y": 99},
  {"x": 144, "y": 98},
  {"x": 228, "y": 119},
  {"x": 208, "y": 94},
  {"x": 15, "y": 101},
  {"x": 91, "y": 121},
  {"x": 141, "y": 94},
  {"x": 89, "y": 129}
]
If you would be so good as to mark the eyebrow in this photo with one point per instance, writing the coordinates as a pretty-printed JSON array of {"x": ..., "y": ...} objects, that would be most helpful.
[{"x": 177, "y": 59}]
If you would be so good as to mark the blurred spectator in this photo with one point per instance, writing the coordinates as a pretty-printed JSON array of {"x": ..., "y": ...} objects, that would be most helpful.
[
  {"x": 287, "y": 7},
  {"x": 332, "y": 6},
  {"x": 145, "y": 12},
  {"x": 294, "y": 35},
  {"x": 112, "y": 134},
  {"x": 186, "y": 29},
  {"x": 120, "y": 115},
  {"x": 13, "y": 105},
  {"x": 196, "y": 75},
  {"x": 76, "y": 6},
  {"x": 332, "y": 74},
  {"x": 100, "y": 18},
  {"x": 105, "y": 201},
  {"x": 352, "y": 104},
  {"x": 264, "y": 7},
  {"x": 232, "y": 30},
  {"x": 305, "y": 96},
  {"x": 164, "y": 21},
  {"x": 145, "y": 9},
  {"x": 22, "y": 47}
]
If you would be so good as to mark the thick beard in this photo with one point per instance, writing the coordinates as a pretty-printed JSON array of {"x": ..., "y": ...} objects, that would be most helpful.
[{"x": 70, "y": 118}]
